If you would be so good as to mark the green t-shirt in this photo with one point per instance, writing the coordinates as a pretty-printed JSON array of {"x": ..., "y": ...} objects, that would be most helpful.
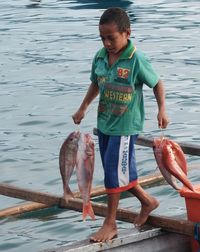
[{"x": 121, "y": 106}]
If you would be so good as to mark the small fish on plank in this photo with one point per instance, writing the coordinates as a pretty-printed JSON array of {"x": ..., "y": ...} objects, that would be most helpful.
[{"x": 77, "y": 151}]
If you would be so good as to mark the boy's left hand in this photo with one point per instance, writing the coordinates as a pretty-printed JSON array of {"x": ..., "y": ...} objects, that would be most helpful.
[{"x": 163, "y": 120}]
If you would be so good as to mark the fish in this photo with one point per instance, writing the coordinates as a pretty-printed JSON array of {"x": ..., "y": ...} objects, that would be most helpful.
[
  {"x": 67, "y": 161},
  {"x": 171, "y": 162},
  {"x": 84, "y": 171},
  {"x": 157, "y": 149},
  {"x": 179, "y": 155},
  {"x": 77, "y": 154}
]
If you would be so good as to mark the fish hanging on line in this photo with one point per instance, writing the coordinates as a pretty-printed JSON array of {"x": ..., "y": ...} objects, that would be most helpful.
[
  {"x": 77, "y": 151},
  {"x": 171, "y": 161}
]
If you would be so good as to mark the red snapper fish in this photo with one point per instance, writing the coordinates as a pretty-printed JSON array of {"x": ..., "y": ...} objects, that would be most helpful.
[
  {"x": 84, "y": 171},
  {"x": 171, "y": 161},
  {"x": 67, "y": 161},
  {"x": 77, "y": 151}
]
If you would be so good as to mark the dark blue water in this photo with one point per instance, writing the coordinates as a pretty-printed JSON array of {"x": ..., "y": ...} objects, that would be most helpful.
[{"x": 46, "y": 53}]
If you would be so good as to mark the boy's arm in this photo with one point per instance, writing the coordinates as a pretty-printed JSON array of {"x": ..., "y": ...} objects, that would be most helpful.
[
  {"x": 159, "y": 93},
  {"x": 92, "y": 92}
]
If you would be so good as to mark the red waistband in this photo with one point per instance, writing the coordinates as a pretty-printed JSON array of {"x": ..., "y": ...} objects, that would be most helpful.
[{"x": 122, "y": 188}]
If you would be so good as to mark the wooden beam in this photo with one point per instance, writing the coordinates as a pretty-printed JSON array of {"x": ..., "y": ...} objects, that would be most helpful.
[
  {"x": 144, "y": 181},
  {"x": 180, "y": 226},
  {"x": 29, "y": 195},
  {"x": 22, "y": 208},
  {"x": 169, "y": 224},
  {"x": 192, "y": 149}
]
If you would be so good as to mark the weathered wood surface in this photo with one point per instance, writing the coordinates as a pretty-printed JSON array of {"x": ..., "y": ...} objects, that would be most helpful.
[
  {"x": 192, "y": 149},
  {"x": 148, "y": 239},
  {"x": 167, "y": 223}
]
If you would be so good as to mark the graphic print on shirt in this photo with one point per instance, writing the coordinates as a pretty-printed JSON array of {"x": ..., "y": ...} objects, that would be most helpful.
[
  {"x": 122, "y": 75},
  {"x": 117, "y": 97},
  {"x": 101, "y": 83}
]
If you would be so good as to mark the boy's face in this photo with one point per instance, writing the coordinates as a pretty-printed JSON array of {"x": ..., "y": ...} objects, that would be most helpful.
[{"x": 113, "y": 40}]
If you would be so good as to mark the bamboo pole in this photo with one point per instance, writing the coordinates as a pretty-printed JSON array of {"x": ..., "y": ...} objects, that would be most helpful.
[
  {"x": 22, "y": 208},
  {"x": 96, "y": 191},
  {"x": 180, "y": 226},
  {"x": 192, "y": 149},
  {"x": 169, "y": 224},
  {"x": 144, "y": 181}
]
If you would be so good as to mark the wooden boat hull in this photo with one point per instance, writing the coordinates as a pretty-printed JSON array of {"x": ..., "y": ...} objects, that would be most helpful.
[{"x": 148, "y": 240}]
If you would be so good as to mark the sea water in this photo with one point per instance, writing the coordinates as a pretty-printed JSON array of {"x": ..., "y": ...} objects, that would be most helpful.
[{"x": 46, "y": 55}]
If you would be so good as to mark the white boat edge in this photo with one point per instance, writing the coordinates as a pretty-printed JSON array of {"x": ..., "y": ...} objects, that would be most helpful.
[{"x": 148, "y": 240}]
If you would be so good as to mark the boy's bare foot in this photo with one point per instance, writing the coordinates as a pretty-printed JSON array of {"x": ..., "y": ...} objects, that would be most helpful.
[
  {"x": 145, "y": 211},
  {"x": 106, "y": 233}
]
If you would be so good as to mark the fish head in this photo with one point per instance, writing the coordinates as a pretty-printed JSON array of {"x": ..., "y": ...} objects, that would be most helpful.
[
  {"x": 158, "y": 144},
  {"x": 88, "y": 138},
  {"x": 72, "y": 140},
  {"x": 89, "y": 143}
]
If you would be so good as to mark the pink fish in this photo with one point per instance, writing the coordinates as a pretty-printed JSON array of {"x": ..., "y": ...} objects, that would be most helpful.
[
  {"x": 158, "y": 153},
  {"x": 171, "y": 162},
  {"x": 179, "y": 155},
  {"x": 84, "y": 171},
  {"x": 78, "y": 151},
  {"x": 67, "y": 161}
]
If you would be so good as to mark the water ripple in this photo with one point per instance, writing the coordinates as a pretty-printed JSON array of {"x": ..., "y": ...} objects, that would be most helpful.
[{"x": 46, "y": 56}]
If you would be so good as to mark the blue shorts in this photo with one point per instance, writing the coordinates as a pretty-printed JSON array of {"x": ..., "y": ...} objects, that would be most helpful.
[{"x": 118, "y": 159}]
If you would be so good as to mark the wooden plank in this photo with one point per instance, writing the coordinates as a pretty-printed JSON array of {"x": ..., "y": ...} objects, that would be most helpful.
[
  {"x": 22, "y": 208},
  {"x": 147, "y": 180},
  {"x": 144, "y": 181},
  {"x": 167, "y": 223},
  {"x": 29, "y": 195},
  {"x": 129, "y": 240},
  {"x": 192, "y": 149}
]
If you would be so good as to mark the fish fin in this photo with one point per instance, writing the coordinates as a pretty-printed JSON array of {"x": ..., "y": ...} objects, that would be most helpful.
[
  {"x": 173, "y": 183},
  {"x": 179, "y": 156},
  {"x": 177, "y": 172},
  {"x": 88, "y": 210}
]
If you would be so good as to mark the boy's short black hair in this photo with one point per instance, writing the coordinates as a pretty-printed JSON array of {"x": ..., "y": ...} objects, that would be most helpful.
[{"x": 116, "y": 15}]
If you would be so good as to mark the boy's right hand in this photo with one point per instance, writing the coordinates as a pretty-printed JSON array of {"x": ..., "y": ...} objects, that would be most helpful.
[{"x": 78, "y": 116}]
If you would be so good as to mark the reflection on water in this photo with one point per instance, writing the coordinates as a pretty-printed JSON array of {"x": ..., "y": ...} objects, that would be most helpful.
[{"x": 46, "y": 55}]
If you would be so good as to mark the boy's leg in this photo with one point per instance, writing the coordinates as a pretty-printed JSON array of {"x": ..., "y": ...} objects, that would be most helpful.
[
  {"x": 109, "y": 229},
  {"x": 148, "y": 204}
]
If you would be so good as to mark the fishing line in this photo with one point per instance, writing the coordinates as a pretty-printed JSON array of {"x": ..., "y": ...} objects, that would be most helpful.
[
  {"x": 162, "y": 135},
  {"x": 78, "y": 126}
]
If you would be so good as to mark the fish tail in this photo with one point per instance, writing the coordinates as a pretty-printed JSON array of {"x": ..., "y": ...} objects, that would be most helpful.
[
  {"x": 179, "y": 156},
  {"x": 189, "y": 185},
  {"x": 88, "y": 210}
]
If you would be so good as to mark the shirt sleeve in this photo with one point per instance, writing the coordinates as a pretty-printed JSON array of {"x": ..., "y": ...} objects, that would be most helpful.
[{"x": 147, "y": 74}]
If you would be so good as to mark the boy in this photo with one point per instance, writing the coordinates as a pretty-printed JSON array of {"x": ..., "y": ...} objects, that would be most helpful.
[{"x": 118, "y": 74}]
